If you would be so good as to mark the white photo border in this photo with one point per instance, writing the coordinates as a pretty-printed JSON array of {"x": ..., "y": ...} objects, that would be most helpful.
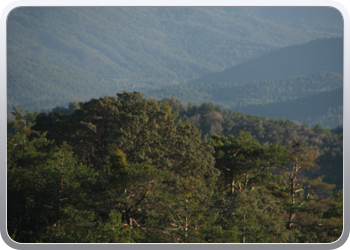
[{"x": 8, "y": 5}]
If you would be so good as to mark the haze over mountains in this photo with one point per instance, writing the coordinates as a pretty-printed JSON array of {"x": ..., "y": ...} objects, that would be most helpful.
[
  {"x": 303, "y": 18},
  {"x": 278, "y": 79},
  {"x": 298, "y": 60},
  {"x": 56, "y": 55}
]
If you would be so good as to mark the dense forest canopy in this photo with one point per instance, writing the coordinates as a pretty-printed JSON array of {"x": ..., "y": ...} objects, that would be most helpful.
[{"x": 130, "y": 169}]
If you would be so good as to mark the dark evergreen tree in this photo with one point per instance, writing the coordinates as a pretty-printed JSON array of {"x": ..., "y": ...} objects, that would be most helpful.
[{"x": 133, "y": 143}]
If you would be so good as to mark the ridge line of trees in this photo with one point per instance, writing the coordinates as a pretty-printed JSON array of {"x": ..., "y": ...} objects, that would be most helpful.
[{"x": 130, "y": 169}]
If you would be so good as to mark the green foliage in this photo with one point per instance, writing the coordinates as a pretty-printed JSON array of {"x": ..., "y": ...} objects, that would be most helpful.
[
  {"x": 257, "y": 217},
  {"x": 127, "y": 169},
  {"x": 269, "y": 131},
  {"x": 336, "y": 209},
  {"x": 80, "y": 226},
  {"x": 312, "y": 99},
  {"x": 133, "y": 143},
  {"x": 118, "y": 162},
  {"x": 244, "y": 163},
  {"x": 42, "y": 180},
  {"x": 144, "y": 131},
  {"x": 67, "y": 111}
]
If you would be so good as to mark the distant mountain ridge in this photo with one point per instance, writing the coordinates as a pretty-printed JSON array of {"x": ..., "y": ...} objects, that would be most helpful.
[
  {"x": 34, "y": 84},
  {"x": 297, "y": 60},
  {"x": 284, "y": 75},
  {"x": 149, "y": 46},
  {"x": 325, "y": 108},
  {"x": 234, "y": 96},
  {"x": 60, "y": 54},
  {"x": 322, "y": 19}
]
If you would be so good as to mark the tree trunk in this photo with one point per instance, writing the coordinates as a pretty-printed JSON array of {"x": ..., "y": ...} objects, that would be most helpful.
[{"x": 232, "y": 190}]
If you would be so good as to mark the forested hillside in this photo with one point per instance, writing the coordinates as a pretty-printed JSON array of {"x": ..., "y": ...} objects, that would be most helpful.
[
  {"x": 312, "y": 99},
  {"x": 296, "y": 82},
  {"x": 297, "y": 60},
  {"x": 212, "y": 119},
  {"x": 325, "y": 108},
  {"x": 142, "y": 48},
  {"x": 35, "y": 84},
  {"x": 130, "y": 169},
  {"x": 233, "y": 95},
  {"x": 316, "y": 18}
]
